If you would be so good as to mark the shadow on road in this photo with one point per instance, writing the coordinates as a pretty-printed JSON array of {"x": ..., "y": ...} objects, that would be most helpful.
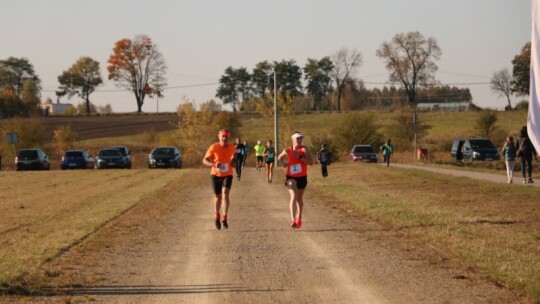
[{"x": 121, "y": 290}]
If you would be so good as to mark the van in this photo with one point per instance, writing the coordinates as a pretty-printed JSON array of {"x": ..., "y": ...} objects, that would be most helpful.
[{"x": 474, "y": 149}]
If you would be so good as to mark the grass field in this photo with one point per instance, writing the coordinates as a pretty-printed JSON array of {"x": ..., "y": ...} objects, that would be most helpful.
[
  {"x": 484, "y": 225},
  {"x": 45, "y": 213},
  {"x": 446, "y": 126}
]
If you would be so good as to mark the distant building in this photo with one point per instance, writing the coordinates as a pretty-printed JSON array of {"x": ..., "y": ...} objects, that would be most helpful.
[
  {"x": 444, "y": 106},
  {"x": 56, "y": 108}
]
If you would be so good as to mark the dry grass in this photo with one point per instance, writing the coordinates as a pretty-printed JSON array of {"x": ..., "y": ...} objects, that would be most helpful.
[
  {"x": 489, "y": 226},
  {"x": 45, "y": 213}
]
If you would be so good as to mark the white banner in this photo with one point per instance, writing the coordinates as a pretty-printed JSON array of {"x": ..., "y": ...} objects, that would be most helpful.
[{"x": 533, "y": 119}]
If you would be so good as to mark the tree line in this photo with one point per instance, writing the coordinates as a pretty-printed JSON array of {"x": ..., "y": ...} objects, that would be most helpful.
[{"x": 331, "y": 82}]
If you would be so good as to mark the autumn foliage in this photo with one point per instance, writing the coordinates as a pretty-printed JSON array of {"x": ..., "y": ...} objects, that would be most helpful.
[{"x": 138, "y": 66}]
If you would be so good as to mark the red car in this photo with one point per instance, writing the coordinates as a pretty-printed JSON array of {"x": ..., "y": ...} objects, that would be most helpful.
[{"x": 363, "y": 153}]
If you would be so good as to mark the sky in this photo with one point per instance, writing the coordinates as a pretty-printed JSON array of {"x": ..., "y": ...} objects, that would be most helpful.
[{"x": 200, "y": 39}]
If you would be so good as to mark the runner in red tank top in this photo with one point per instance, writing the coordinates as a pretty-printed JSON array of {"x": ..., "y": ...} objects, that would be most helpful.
[{"x": 298, "y": 157}]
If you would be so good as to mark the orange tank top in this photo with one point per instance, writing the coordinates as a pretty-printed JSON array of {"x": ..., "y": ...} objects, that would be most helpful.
[{"x": 296, "y": 167}]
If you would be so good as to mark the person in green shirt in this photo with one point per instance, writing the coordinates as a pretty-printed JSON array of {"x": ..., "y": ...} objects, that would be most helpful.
[
  {"x": 387, "y": 150},
  {"x": 259, "y": 151}
]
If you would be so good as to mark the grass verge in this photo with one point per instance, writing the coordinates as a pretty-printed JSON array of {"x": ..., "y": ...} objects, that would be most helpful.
[
  {"x": 36, "y": 226},
  {"x": 494, "y": 227}
]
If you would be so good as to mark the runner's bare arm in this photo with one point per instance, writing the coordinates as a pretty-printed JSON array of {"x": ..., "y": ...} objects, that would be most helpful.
[
  {"x": 233, "y": 161},
  {"x": 208, "y": 161},
  {"x": 307, "y": 157},
  {"x": 280, "y": 158}
]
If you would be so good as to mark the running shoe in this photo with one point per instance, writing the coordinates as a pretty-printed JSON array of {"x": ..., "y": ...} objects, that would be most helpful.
[
  {"x": 530, "y": 181},
  {"x": 299, "y": 223},
  {"x": 225, "y": 225},
  {"x": 293, "y": 224},
  {"x": 525, "y": 181},
  {"x": 218, "y": 224}
]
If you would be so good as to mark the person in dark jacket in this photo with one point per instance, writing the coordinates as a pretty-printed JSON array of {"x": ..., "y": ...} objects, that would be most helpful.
[
  {"x": 526, "y": 151},
  {"x": 323, "y": 156}
]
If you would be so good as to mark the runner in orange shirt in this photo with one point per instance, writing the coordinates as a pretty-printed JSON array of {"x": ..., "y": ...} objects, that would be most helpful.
[
  {"x": 221, "y": 157},
  {"x": 298, "y": 157}
]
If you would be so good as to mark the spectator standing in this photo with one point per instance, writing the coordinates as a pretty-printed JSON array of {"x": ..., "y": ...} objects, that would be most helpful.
[
  {"x": 509, "y": 153},
  {"x": 323, "y": 156},
  {"x": 387, "y": 150}
]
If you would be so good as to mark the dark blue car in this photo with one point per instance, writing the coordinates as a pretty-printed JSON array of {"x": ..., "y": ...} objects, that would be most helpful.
[{"x": 77, "y": 159}]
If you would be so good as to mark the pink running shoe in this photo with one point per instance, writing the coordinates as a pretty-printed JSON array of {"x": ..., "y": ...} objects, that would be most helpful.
[{"x": 299, "y": 223}]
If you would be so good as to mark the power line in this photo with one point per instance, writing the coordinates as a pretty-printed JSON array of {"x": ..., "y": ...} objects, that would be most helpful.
[
  {"x": 165, "y": 88},
  {"x": 435, "y": 84}
]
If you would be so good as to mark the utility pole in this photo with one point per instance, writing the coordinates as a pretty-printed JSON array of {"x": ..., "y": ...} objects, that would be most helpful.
[
  {"x": 276, "y": 119},
  {"x": 415, "y": 118}
]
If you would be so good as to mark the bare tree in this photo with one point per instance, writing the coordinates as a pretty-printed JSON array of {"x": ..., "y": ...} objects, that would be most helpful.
[
  {"x": 346, "y": 64},
  {"x": 500, "y": 84},
  {"x": 410, "y": 60}
]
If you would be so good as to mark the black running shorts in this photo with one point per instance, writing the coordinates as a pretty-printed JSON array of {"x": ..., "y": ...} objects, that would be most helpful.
[
  {"x": 219, "y": 182},
  {"x": 301, "y": 182}
]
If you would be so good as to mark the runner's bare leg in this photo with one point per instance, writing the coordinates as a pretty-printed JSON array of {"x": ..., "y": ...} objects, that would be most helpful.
[{"x": 227, "y": 200}]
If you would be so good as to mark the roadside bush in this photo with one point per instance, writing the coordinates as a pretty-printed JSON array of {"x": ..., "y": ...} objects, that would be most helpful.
[
  {"x": 353, "y": 129},
  {"x": 29, "y": 132},
  {"x": 486, "y": 124},
  {"x": 522, "y": 106},
  {"x": 197, "y": 130},
  {"x": 149, "y": 138},
  {"x": 63, "y": 139},
  {"x": 401, "y": 131}
]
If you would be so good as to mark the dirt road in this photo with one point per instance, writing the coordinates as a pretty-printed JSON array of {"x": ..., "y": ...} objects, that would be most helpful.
[{"x": 166, "y": 250}]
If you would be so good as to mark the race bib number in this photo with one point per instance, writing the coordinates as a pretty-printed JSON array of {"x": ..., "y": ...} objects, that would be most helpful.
[
  {"x": 295, "y": 169},
  {"x": 270, "y": 155},
  {"x": 222, "y": 167},
  {"x": 239, "y": 151}
]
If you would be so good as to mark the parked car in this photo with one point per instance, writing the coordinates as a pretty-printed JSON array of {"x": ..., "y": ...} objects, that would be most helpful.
[
  {"x": 363, "y": 153},
  {"x": 474, "y": 149},
  {"x": 165, "y": 157},
  {"x": 32, "y": 159},
  {"x": 77, "y": 159},
  {"x": 125, "y": 151},
  {"x": 111, "y": 158}
]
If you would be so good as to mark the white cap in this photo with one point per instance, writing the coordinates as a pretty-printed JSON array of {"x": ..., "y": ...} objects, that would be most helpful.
[
  {"x": 258, "y": 142},
  {"x": 296, "y": 135}
]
